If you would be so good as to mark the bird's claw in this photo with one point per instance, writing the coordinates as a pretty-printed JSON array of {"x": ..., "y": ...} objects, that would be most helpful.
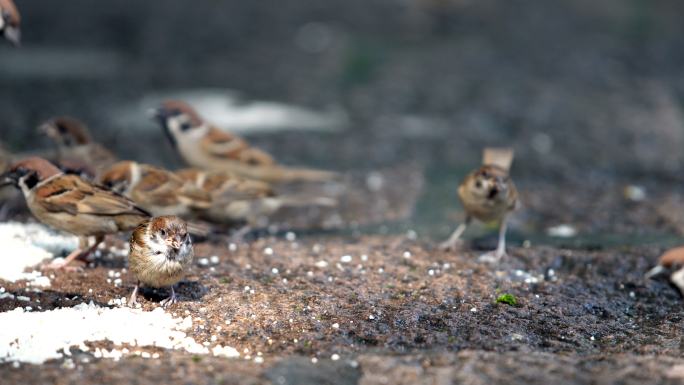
[
  {"x": 491, "y": 257},
  {"x": 172, "y": 299}
]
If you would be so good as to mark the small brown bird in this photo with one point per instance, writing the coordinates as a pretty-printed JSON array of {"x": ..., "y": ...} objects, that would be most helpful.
[
  {"x": 160, "y": 251},
  {"x": 76, "y": 151},
  {"x": 235, "y": 199},
  {"x": 206, "y": 147},
  {"x": 673, "y": 259},
  {"x": 10, "y": 22},
  {"x": 488, "y": 194},
  {"x": 68, "y": 203},
  {"x": 155, "y": 189}
]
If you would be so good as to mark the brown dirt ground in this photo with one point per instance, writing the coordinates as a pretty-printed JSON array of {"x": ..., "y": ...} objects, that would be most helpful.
[{"x": 406, "y": 314}]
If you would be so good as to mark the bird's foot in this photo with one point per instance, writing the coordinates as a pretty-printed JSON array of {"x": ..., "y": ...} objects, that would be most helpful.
[
  {"x": 63, "y": 265},
  {"x": 169, "y": 301},
  {"x": 492, "y": 257},
  {"x": 451, "y": 245}
]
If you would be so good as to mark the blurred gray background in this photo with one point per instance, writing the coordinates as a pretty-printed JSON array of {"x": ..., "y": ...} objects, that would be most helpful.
[{"x": 588, "y": 92}]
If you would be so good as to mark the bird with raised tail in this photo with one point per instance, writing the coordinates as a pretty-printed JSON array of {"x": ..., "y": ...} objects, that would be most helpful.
[
  {"x": 206, "y": 147},
  {"x": 488, "y": 194},
  {"x": 160, "y": 251},
  {"x": 10, "y": 22},
  {"x": 69, "y": 203}
]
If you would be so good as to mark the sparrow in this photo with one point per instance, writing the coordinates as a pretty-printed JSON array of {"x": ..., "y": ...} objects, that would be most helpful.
[
  {"x": 76, "y": 151},
  {"x": 155, "y": 189},
  {"x": 10, "y": 21},
  {"x": 672, "y": 259},
  {"x": 488, "y": 194},
  {"x": 69, "y": 203},
  {"x": 160, "y": 250},
  {"x": 236, "y": 199},
  {"x": 206, "y": 147}
]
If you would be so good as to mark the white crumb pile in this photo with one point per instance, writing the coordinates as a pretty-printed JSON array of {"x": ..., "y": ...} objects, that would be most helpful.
[
  {"x": 34, "y": 337},
  {"x": 26, "y": 245}
]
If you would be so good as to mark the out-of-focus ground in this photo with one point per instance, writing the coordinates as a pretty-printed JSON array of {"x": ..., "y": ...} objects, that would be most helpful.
[{"x": 588, "y": 93}]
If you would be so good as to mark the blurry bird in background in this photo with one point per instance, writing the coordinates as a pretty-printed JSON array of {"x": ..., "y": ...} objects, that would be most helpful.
[
  {"x": 488, "y": 194},
  {"x": 68, "y": 203},
  {"x": 206, "y": 147},
  {"x": 10, "y": 22},
  {"x": 672, "y": 261},
  {"x": 155, "y": 189},
  {"x": 77, "y": 153},
  {"x": 240, "y": 200}
]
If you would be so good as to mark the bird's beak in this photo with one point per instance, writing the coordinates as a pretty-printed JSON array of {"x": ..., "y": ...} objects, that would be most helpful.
[
  {"x": 8, "y": 178},
  {"x": 655, "y": 271},
  {"x": 13, "y": 35},
  {"x": 46, "y": 129},
  {"x": 157, "y": 113}
]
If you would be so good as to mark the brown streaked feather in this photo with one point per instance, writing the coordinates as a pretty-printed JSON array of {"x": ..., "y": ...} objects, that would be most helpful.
[
  {"x": 79, "y": 197},
  {"x": 500, "y": 157},
  {"x": 228, "y": 146}
]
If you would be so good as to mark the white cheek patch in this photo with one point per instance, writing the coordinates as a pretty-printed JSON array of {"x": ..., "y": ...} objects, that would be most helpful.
[
  {"x": 158, "y": 248},
  {"x": 174, "y": 123},
  {"x": 2, "y": 21}
]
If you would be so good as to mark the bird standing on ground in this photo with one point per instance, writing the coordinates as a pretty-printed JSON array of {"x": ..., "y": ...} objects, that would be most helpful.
[
  {"x": 206, "y": 147},
  {"x": 68, "y": 203},
  {"x": 76, "y": 151},
  {"x": 488, "y": 194},
  {"x": 10, "y": 22},
  {"x": 160, "y": 250}
]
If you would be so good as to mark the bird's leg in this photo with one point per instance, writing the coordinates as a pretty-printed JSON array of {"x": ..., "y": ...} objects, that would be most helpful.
[
  {"x": 450, "y": 244},
  {"x": 78, "y": 254},
  {"x": 496, "y": 255},
  {"x": 171, "y": 300},
  {"x": 133, "y": 301},
  {"x": 238, "y": 236}
]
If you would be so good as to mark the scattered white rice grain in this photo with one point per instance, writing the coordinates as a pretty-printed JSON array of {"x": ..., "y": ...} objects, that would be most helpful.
[
  {"x": 290, "y": 236},
  {"x": 274, "y": 270},
  {"x": 232, "y": 247},
  {"x": 203, "y": 262},
  {"x": 322, "y": 264},
  {"x": 473, "y": 309},
  {"x": 335, "y": 325},
  {"x": 335, "y": 357},
  {"x": 346, "y": 258},
  {"x": 268, "y": 251},
  {"x": 407, "y": 254},
  {"x": 214, "y": 259},
  {"x": 314, "y": 360}
]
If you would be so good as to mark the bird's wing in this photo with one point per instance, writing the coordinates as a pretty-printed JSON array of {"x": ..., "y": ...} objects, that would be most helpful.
[{"x": 69, "y": 193}]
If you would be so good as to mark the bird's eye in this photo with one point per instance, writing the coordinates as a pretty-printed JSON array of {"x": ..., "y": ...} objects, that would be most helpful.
[
  {"x": 158, "y": 253},
  {"x": 185, "y": 126},
  {"x": 478, "y": 183},
  {"x": 163, "y": 232}
]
